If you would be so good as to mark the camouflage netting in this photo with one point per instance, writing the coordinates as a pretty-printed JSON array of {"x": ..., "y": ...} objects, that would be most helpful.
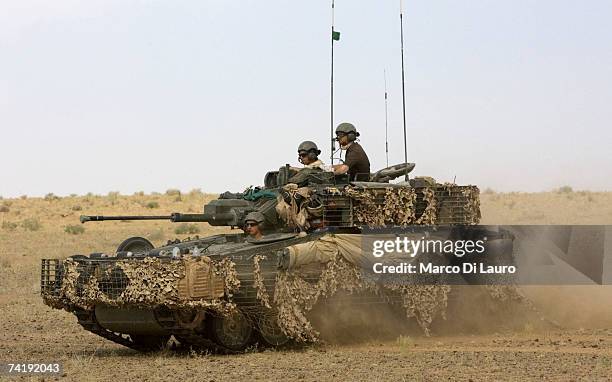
[
  {"x": 258, "y": 282},
  {"x": 147, "y": 283},
  {"x": 398, "y": 207},
  {"x": 434, "y": 203},
  {"x": 424, "y": 302},
  {"x": 472, "y": 208},
  {"x": 297, "y": 291},
  {"x": 294, "y": 295}
]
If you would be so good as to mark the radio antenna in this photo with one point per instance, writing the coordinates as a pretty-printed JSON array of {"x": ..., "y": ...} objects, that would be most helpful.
[
  {"x": 403, "y": 88},
  {"x": 333, "y": 38},
  {"x": 386, "y": 119}
]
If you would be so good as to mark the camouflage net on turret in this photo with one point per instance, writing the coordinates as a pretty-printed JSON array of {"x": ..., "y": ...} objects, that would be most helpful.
[
  {"x": 402, "y": 206},
  {"x": 146, "y": 283}
]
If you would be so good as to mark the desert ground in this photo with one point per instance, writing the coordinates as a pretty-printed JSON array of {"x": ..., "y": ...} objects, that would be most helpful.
[{"x": 567, "y": 337}]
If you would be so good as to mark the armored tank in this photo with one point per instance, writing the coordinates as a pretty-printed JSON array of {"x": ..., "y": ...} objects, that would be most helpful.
[{"x": 225, "y": 292}]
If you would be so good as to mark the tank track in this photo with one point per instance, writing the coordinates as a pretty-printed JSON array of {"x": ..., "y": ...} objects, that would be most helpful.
[{"x": 189, "y": 339}]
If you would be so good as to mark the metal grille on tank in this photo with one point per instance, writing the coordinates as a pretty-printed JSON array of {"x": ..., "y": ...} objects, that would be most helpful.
[
  {"x": 112, "y": 281},
  {"x": 337, "y": 211},
  {"x": 51, "y": 277}
]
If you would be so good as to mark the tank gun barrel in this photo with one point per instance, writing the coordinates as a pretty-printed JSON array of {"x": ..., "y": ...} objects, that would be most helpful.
[
  {"x": 226, "y": 218},
  {"x": 174, "y": 217}
]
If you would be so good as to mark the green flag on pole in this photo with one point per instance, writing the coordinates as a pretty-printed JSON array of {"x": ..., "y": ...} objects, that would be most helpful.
[{"x": 336, "y": 36}]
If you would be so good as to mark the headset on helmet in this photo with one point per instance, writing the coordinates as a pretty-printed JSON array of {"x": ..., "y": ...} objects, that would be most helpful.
[
  {"x": 348, "y": 129},
  {"x": 310, "y": 148}
]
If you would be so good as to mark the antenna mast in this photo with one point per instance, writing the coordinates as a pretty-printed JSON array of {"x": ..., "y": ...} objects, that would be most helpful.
[
  {"x": 333, "y": 143},
  {"x": 386, "y": 120},
  {"x": 403, "y": 87}
]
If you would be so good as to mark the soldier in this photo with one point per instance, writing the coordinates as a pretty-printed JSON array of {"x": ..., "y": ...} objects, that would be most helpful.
[
  {"x": 253, "y": 225},
  {"x": 308, "y": 155},
  {"x": 356, "y": 162}
]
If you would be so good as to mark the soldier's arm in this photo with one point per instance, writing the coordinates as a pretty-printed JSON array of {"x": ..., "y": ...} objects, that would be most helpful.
[{"x": 340, "y": 169}]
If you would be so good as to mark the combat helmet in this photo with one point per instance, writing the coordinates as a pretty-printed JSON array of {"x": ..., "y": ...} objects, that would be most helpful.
[
  {"x": 255, "y": 216},
  {"x": 310, "y": 149},
  {"x": 347, "y": 129},
  {"x": 308, "y": 146}
]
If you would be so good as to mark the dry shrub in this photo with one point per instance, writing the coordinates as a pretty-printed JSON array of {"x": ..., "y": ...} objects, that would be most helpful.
[
  {"x": 74, "y": 229},
  {"x": 76, "y": 208},
  {"x": 196, "y": 193},
  {"x": 565, "y": 190},
  {"x": 4, "y": 208},
  {"x": 152, "y": 205},
  {"x": 112, "y": 197},
  {"x": 23, "y": 197},
  {"x": 185, "y": 229},
  {"x": 489, "y": 191},
  {"x": 31, "y": 224},
  {"x": 51, "y": 197},
  {"x": 9, "y": 226}
]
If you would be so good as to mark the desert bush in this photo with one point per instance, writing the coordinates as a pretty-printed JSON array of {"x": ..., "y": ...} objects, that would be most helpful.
[
  {"x": 4, "y": 208},
  {"x": 112, "y": 197},
  {"x": 31, "y": 224},
  {"x": 488, "y": 191},
  {"x": 9, "y": 226},
  {"x": 139, "y": 193},
  {"x": 76, "y": 208},
  {"x": 185, "y": 228},
  {"x": 565, "y": 190},
  {"x": 196, "y": 192},
  {"x": 152, "y": 204},
  {"x": 7, "y": 203},
  {"x": 51, "y": 197},
  {"x": 176, "y": 193},
  {"x": 23, "y": 197},
  {"x": 74, "y": 229},
  {"x": 73, "y": 195}
]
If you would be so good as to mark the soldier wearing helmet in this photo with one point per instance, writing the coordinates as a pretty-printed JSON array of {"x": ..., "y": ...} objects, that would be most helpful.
[
  {"x": 356, "y": 162},
  {"x": 253, "y": 225},
  {"x": 308, "y": 155}
]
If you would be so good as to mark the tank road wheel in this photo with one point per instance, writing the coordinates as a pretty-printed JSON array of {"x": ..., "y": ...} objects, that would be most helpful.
[
  {"x": 233, "y": 332},
  {"x": 135, "y": 245},
  {"x": 150, "y": 343},
  {"x": 270, "y": 332}
]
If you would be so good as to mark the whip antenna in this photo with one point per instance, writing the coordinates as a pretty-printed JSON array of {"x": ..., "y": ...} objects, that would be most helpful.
[
  {"x": 403, "y": 88},
  {"x": 333, "y": 38},
  {"x": 386, "y": 120}
]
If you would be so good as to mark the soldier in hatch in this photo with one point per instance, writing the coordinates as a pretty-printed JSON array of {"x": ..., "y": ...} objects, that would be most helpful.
[
  {"x": 253, "y": 225},
  {"x": 356, "y": 162},
  {"x": 308, "y": 155}
]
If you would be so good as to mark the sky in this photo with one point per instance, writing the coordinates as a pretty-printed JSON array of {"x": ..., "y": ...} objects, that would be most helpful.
[{"x": 130, "y": 96}]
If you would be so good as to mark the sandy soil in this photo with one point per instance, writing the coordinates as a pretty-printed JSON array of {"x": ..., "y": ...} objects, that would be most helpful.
[{"x": 568, "y": 337}]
